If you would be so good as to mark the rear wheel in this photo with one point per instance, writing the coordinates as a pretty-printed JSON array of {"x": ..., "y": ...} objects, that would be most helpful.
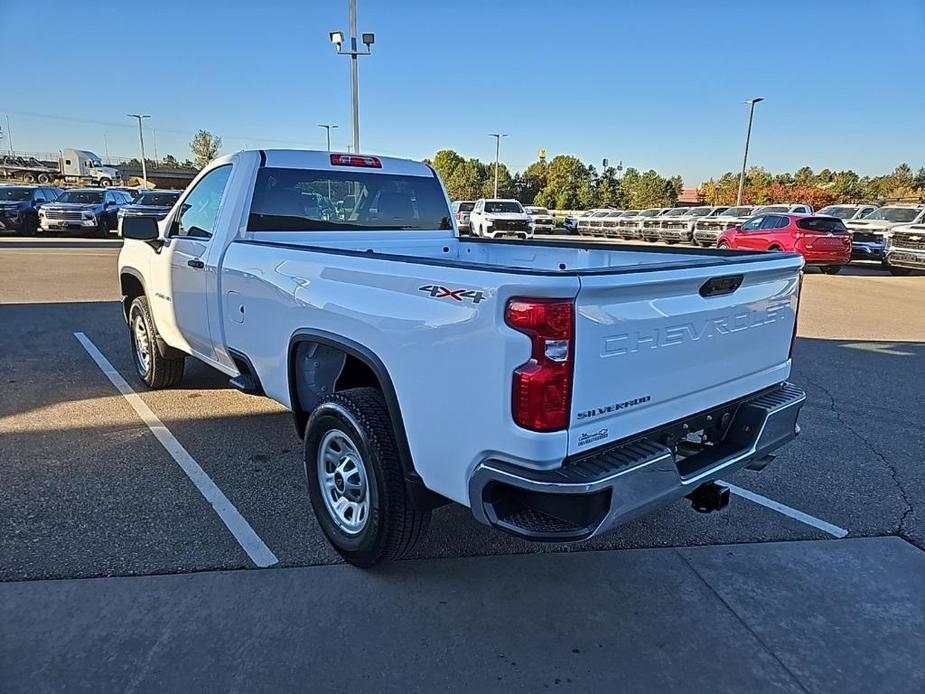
[
  {"x": 355, "y": 479},
  {"x": 29, "y": 177},
  {"x": 831, "y": 269},
  {"x": 155, "y": 370},
  {"x": 44, "y": 178}
]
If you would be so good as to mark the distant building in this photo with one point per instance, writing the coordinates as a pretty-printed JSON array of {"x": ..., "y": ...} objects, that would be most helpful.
[{"x": 690, "y": 196}]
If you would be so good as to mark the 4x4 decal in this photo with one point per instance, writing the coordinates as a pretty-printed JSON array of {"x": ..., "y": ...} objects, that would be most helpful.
[{"x": 439, "y": 292}]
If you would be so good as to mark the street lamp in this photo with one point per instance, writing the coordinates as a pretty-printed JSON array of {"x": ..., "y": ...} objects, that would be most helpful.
[
  {"x": 141, "y": 137},
  {"x": 497, "y": 137},
  {"x": 337, "y": 38},
  {"x": 748, "y": 136},
  {"x": 327, "y": 127}
]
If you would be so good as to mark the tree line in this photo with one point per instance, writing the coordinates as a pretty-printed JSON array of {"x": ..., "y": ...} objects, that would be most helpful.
[{"x": 565, "y": 183}]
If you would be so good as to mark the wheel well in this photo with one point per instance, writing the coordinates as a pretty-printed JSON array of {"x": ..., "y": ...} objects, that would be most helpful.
[
  {"x": 774, "y": 247},
  {"x": 132, "y": 288},
  {"x": 317, "y": 370}
]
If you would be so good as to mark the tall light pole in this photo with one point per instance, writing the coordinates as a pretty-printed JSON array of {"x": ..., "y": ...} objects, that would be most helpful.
[
  {"x": 337, "y": 38},
  {"x": 327, "y": 127},
  {"x": 497, "y": 137},
  {"x": 141, "y": 137},
  {"x": 9, "y": 134},
  {"x": 748, "y": 136}
]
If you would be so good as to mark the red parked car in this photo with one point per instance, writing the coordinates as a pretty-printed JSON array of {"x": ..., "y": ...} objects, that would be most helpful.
[{"x": 822, "y": 241}]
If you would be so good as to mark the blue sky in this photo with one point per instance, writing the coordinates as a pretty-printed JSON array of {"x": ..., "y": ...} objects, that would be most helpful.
[{"x": 654, "y": 84}]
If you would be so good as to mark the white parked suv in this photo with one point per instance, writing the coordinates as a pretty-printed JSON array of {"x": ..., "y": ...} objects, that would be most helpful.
[
  {"x": 492, "y": 219},
  {"x": 680, "y": 228},
  {"x": 708, "y": 229},
  {"x": 848, "y": 213},
  {"x": 869, "y": 235},
  {"x": 555, "y": 390},
  {"x": 543, "y": 220}
]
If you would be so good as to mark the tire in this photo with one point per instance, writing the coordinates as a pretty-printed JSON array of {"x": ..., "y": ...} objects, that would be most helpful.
[
  {"x": 105, "y": 182},
  {"x": 830, "y": 269},
  {"x": 29, "y": 177},
  {"x": 155, "y": 371},
  {"x": 44, "y": 178},
  {"x": 100, "y": 231},
  {"x": 30, "y": 226},
  {"x": 723, "y": 244},
  {"x": 354, "y": 428}
]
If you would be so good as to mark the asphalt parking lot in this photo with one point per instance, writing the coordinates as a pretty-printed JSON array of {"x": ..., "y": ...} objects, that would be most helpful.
[{"x": 89, "y": 491}]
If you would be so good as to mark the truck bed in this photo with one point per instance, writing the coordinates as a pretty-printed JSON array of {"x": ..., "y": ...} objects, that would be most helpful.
[{"x": 530, "y": 257}]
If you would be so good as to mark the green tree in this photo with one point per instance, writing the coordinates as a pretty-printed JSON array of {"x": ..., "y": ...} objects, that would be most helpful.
[
  {"x": 467, "y": 180},
  {"x": 564, "y": 178},
  {"x": 529, "y": 183},
  {"x": 505, "y": 182},
  {"x": 445, "y": 162},
  {"x": 205, "y": 147},
  {"x": 609, "y": 192}
]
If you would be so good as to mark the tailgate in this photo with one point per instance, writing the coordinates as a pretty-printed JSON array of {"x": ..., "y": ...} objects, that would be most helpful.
[{"x": 654, "y": 347}]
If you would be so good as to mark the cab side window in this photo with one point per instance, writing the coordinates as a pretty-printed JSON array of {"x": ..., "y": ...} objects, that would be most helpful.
[
  {"x": 199, "y": 210},
  {"x": 753, "y": 224}
]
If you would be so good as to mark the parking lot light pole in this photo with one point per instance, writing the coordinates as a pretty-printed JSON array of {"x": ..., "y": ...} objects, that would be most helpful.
[
  {"x": 497, "y": 137},
  {"x": 337, "y": 38},
  {"x": 327, "y": 127},
  {"x": 141, "y": 137},
  {"x": 748, "y": 135}
]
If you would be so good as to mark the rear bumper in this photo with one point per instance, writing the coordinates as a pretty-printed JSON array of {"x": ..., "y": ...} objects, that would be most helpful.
[{"x": 595, "y": 493}]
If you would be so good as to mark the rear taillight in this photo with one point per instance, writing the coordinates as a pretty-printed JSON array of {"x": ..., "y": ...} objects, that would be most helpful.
[
  {"x": 541, "y": 397},
  {"x": 356, "y": 160},
  {"x": 796, "y": 316}
]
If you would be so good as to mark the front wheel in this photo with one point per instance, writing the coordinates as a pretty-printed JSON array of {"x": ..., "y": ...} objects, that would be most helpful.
[
  {"x": 105, "y": 182},
  {"x": 723, "y": 244},
  {"x": 831, "y": 269},
  {"x": 154, "y": 369},
  {"x": 355, "y": 479}
]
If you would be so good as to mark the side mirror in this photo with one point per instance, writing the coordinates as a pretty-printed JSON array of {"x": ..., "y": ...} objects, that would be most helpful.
[{"x": 140, "y": 228}]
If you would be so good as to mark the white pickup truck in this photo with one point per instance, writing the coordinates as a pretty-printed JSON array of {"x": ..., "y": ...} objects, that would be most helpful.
[{"x": 556, "y": 390}]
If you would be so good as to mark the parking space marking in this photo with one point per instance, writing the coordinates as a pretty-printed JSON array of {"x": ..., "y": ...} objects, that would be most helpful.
[
  {"x": 822, "y": 525},
  {"x": 250, "y": 542}
]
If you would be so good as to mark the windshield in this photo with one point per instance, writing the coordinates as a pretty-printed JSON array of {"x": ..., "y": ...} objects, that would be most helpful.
[
  {"x": 616, "y": 213},
  {"x": 895, "y": 214},
  {"x": 650, "y": 213},
  {"x": 157, "y": 199},
  {"x": 771, "y": 208},
  {"x": 537, "y": 210},
  {"x": 738, "y": 212},
  {"x": 84, "y": 197},
  {"x": 16, "y": 194},
  {"x": 466, "y": 206},
  {"x": 601, "y": 213},
  {"x": 840, "y": 212},
  {"x": 676, "y": 211},
  {"x": 316, "y": 200},
  {"x": 700, "y": 211},
  {"x": 503, "y": 206}
]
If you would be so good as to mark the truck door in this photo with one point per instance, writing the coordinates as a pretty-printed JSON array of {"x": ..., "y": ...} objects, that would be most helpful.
[{"x": 187, "y": 243}]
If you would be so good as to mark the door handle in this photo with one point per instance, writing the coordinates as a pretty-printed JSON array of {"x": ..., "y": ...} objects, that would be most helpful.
[{"x": 196, "y": 263}]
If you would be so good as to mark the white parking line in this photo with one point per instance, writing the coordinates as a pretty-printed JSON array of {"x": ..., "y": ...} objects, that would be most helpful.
[
  {"x": 250, "y": 542},
  {"x": 822, "y": 525}
]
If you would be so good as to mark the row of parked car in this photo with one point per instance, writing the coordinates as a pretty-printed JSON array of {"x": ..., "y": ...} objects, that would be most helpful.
[
  {"x": 893, "y": 234},
  {"x": 31, "y": 210}
]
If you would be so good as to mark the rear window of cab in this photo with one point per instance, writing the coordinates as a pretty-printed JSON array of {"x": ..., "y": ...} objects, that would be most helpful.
[{"x": 321, "y": 200}]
